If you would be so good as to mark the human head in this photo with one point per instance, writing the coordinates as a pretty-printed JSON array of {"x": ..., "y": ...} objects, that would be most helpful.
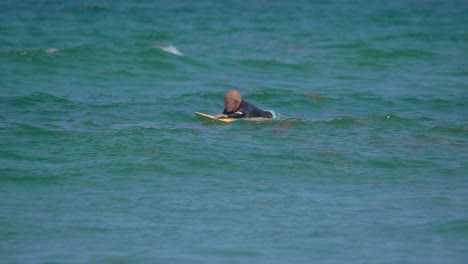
[{"x": 232, "y": 100}]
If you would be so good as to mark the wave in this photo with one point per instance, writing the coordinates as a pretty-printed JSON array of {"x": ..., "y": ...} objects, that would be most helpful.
[
  {"x": 99, "y": 111},
  {"x": 397, "y": 53},
  {"x": 30, "y": 52},
  {"x": 406, "y": 35},
  {"x": 45, "y": 99},
  {"x": 38, "y": 130},
  {"x": 390, "y": 120},
  {"x": 453, "y": 226},
  {"x": 354, "y": 44},
  {"x": 449, "y": 129},
  {"x": 11, "y": 176},
  {"x": 34, "y": 99},
  {"x": 450, "y": 99},
  {"x": 15, "y": 53}
]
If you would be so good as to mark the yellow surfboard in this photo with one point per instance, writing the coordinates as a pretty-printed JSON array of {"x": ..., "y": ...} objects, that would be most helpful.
[{"x": 209, "y": 118}]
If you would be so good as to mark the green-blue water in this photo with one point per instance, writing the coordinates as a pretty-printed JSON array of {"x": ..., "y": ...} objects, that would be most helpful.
[{"x": 103, "y": 161}]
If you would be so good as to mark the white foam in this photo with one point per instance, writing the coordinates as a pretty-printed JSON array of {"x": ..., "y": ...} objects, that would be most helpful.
[
  {"x": 170, "y": 49},
  {"x": 51, "y": 51}
]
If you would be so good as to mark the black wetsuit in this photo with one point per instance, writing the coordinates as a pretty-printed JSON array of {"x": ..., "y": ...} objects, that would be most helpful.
[{"x": 247, "y": 110}]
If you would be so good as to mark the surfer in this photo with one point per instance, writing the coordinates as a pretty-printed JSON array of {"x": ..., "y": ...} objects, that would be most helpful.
[{"x": 235, "y": 107}]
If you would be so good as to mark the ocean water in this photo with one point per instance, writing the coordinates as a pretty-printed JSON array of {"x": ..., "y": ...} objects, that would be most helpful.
[{"x": 103, "y": 161}]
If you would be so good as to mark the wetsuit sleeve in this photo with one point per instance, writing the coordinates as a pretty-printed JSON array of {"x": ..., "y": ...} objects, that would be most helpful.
[
  {"x": 237, "y": 114},
  {"x": 267, "y": 114},
  {"x": 253, "y": 111},
  {"x": 257, "y": 112}
]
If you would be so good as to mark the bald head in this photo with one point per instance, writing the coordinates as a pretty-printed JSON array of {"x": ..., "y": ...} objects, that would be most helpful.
[
  {"x": 232, "y": 100},
  {"x": 232, "y": 94}
]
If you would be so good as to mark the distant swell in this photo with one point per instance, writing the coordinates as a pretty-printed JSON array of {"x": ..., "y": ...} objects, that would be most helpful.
[{"x": 274, "y": 64}]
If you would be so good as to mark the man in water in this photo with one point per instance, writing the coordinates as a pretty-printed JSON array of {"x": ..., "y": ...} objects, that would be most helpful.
[{"x": 236, "y": 108}]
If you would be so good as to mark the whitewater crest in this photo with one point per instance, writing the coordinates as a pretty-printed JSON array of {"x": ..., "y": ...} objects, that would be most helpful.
[
  {"x": 52, "y": 51},
  {"x": 169, "y": 49}
]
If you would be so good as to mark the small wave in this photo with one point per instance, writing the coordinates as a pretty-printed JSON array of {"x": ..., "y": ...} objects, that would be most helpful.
[
  {"x": 15, "y": 53},
  {"x": 391, "y": 116},
  {"x": 454, "y": 226},
  {"x": 30, "y": 52},
  {"x": 348, "y": 45},
  {"x": 396, "y": 53},
  {"x": 419, "y": 36},
  {"x": 390, "y": 119},
  {"x": 11, "y": 176},
  {"x": 344, "y": 121},
  {"x": 451, "y": 99},
  {"x": 46, "y": 130},
  {"x": 169, "y": 49},
  {"x": 36, "y": 98},
  {"x": 274, "y": 64},
  {"x": 393, "y": 120},
  {"x": 450, "y": 129}
]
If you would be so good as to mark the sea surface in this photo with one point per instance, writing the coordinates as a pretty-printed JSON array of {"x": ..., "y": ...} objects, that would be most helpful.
[{"x": 102, "y": 159}]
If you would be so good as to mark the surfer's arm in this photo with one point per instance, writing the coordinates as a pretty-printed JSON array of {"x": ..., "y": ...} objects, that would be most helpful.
[{"x": 218, "y": 116}]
